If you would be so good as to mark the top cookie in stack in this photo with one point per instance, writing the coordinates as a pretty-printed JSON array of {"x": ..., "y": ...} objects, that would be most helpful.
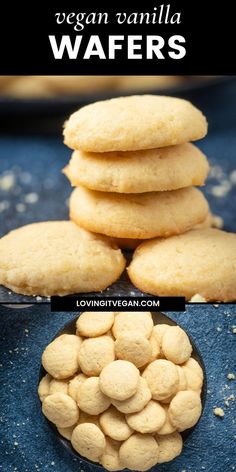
[{"x": 134, "y": 167}]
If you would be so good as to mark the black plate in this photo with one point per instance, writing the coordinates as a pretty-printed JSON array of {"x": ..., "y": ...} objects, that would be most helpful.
[{"x": 158, "y": 318}]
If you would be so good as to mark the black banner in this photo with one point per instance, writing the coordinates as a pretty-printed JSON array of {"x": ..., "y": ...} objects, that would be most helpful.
[
  {"x": 173, "y": 37},
  {"x": 87, "y": 303}
]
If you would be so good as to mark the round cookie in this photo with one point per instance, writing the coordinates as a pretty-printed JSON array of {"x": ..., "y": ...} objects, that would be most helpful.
[
  {"x": 160, "y": 214},
  {"x": 133, "y": 347},
  {"x": 149, "y": 420},
  {"x": 152, "y": 170},
  {"x": 60, "y": 358},
  {"x": 139, "y": 452},
  {"x": 170, "y": 446},
  {"x": 74, "y": 385},
  {"x": 137, "y": 402},
  {"x": 61, "y": 410},
  {"x": 96, "y": 353},
  {"x": 94, "y": 323},
  {"x": 185, "y": 410},
  {"x": 89, "y": 441},
  {"x": 43, "y": 387},
  {"x": 57, "y": 258},
  {"x": 90, "y": 397},
  {"x": 199, "y": 261},
  {"x": 114, "y": 425},
  {"x": 133, "y": 123},
  {"x": 119, "y": 380},
  {"x": 176, "y": 345},
  {"x": 162, "y": 378},
  {"x": 110, "y": 459},
  {"x": 167, "y": 427},
  {"x": 58, "y": 386},
  {"x": 131, "y": 321}
]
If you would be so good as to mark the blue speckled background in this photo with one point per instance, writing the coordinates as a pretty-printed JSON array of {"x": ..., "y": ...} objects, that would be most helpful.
[
  {"x": 27, "y": 444},
  {"x": 36, "y": 162}
]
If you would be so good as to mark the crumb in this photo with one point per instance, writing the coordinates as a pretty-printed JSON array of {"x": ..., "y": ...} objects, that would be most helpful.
[
  {"x": 216, "y": 305},
  {"x": 221, "y": 190},
  {"x": 219, "y": 412},
  {"x": 4, "y": 205},
  {"x": 231, "y": 376},
  {"x": 31, "y": 197},
  {"x": 218, "y": 329},
  {"x": 234, "y": 329},
  {"x": 7, "y": 182},
  {"x": 16, "y": 443},
  {"x": 232, "y": 176},
  {"x": 217, "y": 222},
  {"x": 38, "y": 298},
  {"x": 197, "y": 299},
  {"x": 20, "y": 207}
]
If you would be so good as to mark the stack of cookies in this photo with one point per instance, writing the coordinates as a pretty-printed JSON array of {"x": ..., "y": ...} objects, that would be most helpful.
[{"x": 134, "y": 168}]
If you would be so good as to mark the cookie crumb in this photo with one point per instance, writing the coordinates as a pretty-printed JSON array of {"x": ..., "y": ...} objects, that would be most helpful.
[
  {"x": 219, "y": 412},
  {"x": 234, "y": 329},
  {"x": 7, "y": 182},
  {"x": 31, "y": 197},
  {"x": 197, "y": 299},
  {"x": 20, "y": 207},
  {"x": 231, "y": 376},
  {"x": 38, "y": 298}
]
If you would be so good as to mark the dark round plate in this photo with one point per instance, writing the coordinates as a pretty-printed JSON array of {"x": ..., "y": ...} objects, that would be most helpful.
[{"x": 158, "y": 318}]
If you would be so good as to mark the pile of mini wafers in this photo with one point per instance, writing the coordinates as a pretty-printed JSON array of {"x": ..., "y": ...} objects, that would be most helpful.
[{"x": 122, "y": 389}]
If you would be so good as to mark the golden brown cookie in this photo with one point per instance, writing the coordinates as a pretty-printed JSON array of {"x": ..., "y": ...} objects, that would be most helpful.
[
  {"x": 119, "y": 380},
  {"x": 94, "y": 323},
  {"x": 162, "y": 378},
  {"x": 60, "y": 358},
  {"x": 199, "y": 261},
  {"x": 133, "y": 347},
  {"x": 185, "y": 409},
  {"x": 170, "y": 446},
  {"x": 176, "y": 345},
  {"x": 159, "y": 213},
  {"x": 114, "y": 424},
  {"x": 57, "y": 258},
  {"x": 152, "y": 170},
  {"x": 139, "y": 452},
  {"x": 90, "y": 397},
  {"x": 96, "y": 353},
  {"x": 89, "y": 441},
  {"x": 133, "y": 123},
  {"x": 61, "y": 410},
  {"x": 131, "y": 321},
  {"x": 149, "y": 420}
]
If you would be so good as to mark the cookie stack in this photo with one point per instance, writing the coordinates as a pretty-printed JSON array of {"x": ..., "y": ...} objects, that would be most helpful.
[{"x": 134, "y": 168}]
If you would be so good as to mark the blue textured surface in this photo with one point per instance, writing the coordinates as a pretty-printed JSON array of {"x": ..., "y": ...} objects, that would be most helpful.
[
  {"x": 27, "y": 444},
  {"x": 36, "y": 163}
]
